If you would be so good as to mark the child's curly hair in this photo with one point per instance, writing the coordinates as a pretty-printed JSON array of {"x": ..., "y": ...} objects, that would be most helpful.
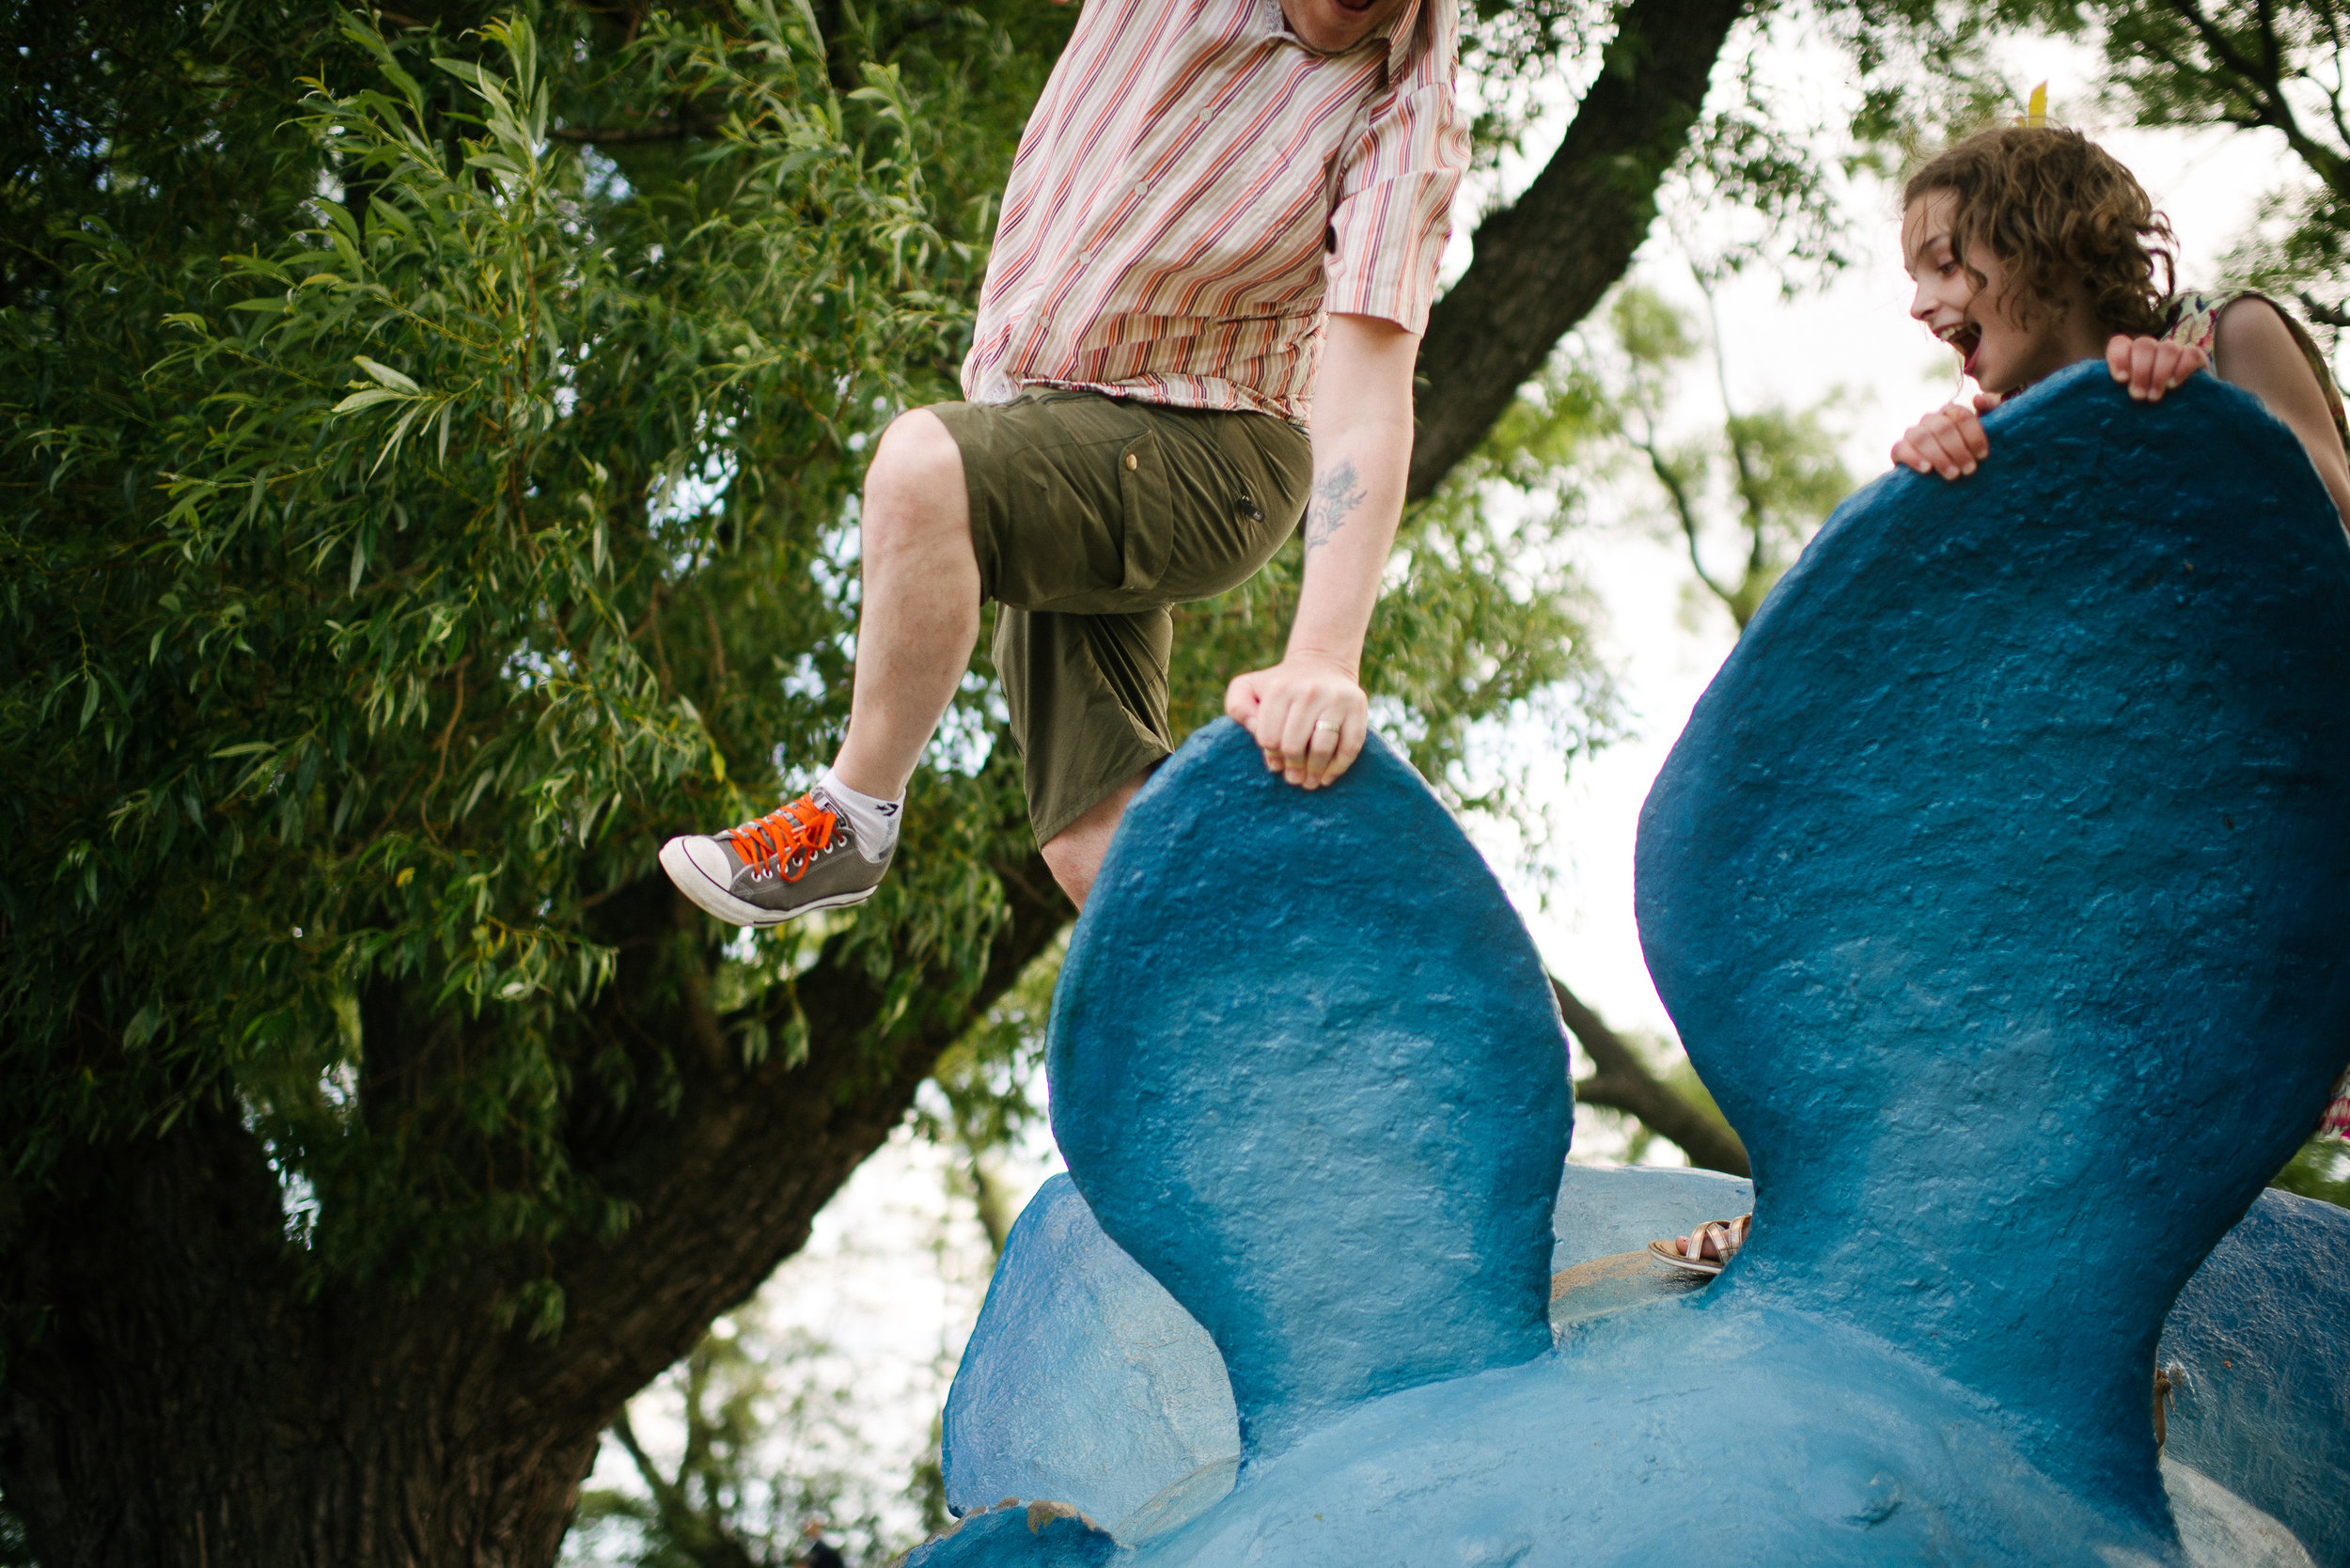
[{"x": 2055, "y": 207}]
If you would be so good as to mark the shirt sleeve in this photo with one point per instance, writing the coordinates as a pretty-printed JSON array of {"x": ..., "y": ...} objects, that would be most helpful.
[{"x": 1394, "y": 209}]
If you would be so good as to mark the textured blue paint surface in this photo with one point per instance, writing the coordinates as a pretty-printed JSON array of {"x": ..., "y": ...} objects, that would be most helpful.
[
  {"x": 1019, "y": 1537},
  {"x": 1081, "y": 1363},
  {"x": 1083, "y": 1381},
  {"x": 1307, "y": 1071},
  {"x": 2260, "y": 1342},
  {"x": 1999, "y": 886}
]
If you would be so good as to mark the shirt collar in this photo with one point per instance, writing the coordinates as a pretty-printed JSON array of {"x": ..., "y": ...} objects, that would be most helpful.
[{"x": 1405, "y": 37}]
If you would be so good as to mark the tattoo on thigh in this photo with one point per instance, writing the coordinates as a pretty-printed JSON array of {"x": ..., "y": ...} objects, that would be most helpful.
[{"x": 1335, "y": 495}]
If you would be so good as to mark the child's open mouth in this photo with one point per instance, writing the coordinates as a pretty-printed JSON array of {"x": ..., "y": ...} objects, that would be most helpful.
[{"x": 1965, "y": 338}]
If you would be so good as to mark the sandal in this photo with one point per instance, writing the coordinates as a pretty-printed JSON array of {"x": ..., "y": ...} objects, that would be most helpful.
[{"x": 1728, "y": 1236}]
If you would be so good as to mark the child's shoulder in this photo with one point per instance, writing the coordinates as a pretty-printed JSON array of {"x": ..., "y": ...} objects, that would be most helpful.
[{"x": 2192, "y": 318}]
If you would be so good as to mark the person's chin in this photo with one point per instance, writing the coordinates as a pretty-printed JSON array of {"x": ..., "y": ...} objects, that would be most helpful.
[
  {"x": 1994, "y": 377},
  {"x": 1342, "y": 26}
]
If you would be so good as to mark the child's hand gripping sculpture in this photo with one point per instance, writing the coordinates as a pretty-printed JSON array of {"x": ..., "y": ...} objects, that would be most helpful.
[{"x": 1951, "y": 440}]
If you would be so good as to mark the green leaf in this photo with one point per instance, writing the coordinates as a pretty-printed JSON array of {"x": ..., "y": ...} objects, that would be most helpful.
[
  {"x": 368, "y": 399},
  {"x": 386, "y": 374},
  {"x": 464, "y": 71},
  {"x": 141, "y": 1027}
]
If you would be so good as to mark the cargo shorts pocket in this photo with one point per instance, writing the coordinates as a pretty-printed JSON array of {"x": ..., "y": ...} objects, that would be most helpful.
[
  {"x": 1059, "y": 539},
  {"x": 1147, "y": 499}
]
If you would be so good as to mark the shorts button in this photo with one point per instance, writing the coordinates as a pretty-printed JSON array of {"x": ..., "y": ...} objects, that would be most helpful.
[{"x": 1132, "y": 461}]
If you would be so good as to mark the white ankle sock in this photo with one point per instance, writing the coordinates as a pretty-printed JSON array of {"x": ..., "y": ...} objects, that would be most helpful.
[{"x": 874, "y": 820}]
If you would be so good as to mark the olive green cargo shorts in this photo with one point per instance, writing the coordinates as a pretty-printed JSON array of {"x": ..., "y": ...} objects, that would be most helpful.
[{"x": 1091, "y": 516}]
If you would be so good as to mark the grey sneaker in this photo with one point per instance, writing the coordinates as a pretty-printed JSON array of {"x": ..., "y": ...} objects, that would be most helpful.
[{"x": 800, "y": 857}]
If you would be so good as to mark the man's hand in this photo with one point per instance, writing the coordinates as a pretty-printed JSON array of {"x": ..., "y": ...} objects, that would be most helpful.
[
  {"x": 1307, "y": 714},
  {"x": 1949, "y": 441},
  {"x": 2150, "y": 366}
]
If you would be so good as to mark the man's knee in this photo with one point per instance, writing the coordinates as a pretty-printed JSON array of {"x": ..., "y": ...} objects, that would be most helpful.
[
  {"x": 1073, "y": 855},
  {"x": 916, "y": 480},
  {"x": 1073, "y": 860}
]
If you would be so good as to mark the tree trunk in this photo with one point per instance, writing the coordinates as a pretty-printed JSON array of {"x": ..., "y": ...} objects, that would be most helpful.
[
  {"x": 189, "y": 1406},
  {"x": 1542, "y": 263},
  {"x": 1620, "y": 1082},
  {"x": 184, "y": 1402}
]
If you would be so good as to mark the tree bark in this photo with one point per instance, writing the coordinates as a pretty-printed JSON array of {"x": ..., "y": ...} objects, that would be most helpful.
[
  {"x": 1622, "y": 1083},
  {"x": 1542, "y": 263},
  {"x": 185, "y": 1402},
  {"x": 188, "y": 1405}
]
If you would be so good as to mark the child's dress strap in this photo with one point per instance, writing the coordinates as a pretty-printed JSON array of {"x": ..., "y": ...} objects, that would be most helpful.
[
  {"x": 2337, "y": 1119},
  {"x": 2194, "y": 318}
]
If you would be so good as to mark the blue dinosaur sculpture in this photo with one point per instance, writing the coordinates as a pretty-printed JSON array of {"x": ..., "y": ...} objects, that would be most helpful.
[
  {"x": 2257, "y": 1354},
  {"x": 1998, "y": 886}
]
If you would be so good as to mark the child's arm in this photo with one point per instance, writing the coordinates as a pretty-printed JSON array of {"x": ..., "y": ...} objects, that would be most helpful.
[{"x": 2256, "y": 351}]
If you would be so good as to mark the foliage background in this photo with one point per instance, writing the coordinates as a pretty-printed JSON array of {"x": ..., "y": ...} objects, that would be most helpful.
[
  {"x": 416, "y": 507},
  {"x": 421, "y": 539}
]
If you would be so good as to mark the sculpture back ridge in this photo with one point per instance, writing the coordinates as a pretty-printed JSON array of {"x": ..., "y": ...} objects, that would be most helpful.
[
  {"x": 2001, "y": 888},
  {"x": 1307, "y": 1070}
]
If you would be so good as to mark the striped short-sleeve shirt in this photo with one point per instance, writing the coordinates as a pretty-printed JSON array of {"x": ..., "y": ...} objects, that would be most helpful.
[{"x": 1197, "y": 190}]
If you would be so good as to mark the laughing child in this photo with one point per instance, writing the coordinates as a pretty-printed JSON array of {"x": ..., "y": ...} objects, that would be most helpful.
[{"x": 2033, "y": 249}]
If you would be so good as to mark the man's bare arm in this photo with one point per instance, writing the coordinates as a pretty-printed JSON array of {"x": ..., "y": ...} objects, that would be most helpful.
[{"x": 1308, "y": 712}]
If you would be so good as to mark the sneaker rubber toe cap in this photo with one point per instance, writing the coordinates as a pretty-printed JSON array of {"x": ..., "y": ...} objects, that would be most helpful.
[{"x": 699, "y": 856}]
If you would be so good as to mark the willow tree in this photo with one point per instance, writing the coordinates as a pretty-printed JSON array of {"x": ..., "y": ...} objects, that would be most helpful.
[{"x": 431, "y": 443}]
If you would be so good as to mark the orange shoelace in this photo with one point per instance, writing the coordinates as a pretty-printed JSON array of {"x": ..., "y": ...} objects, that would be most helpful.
[{"x": 786, "y": 837}]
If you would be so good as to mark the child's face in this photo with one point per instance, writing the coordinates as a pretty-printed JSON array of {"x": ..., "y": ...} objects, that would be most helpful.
[{"x": 1997, "y": 351}]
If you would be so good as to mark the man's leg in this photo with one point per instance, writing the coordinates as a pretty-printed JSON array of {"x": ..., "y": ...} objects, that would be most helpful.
[
  {"x": 920, "y": 618},
  {"x": 918, "y": 622},
  {"x": 1105, "y": 511},
  {"x": 1075, "y": 852},
  {"x": 1086, "y": 696}
]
